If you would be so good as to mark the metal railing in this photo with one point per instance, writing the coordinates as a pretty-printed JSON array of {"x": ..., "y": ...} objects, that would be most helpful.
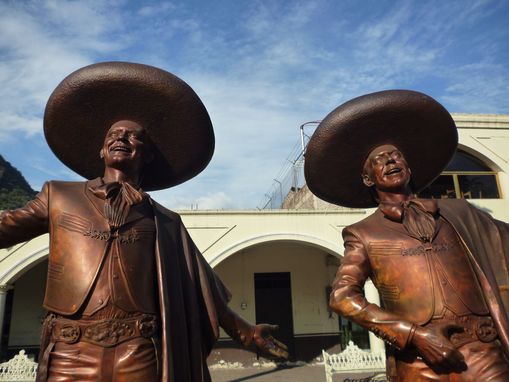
[
  {"x": 353, "y": 359},
  {"x": 291, "y": 175}
]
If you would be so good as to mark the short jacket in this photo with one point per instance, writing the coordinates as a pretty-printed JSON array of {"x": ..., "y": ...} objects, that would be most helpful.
[
  {"x": 192, "y": 298},
  {"x": 375, "y": 247}
]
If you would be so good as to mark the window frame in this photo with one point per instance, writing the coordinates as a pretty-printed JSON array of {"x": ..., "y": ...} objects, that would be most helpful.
[{"x": 455, "y": 174}]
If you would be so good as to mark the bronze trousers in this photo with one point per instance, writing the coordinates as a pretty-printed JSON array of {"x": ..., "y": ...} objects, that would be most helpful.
[
  {"x": 485, "y": 363},
  {"x": 130, "y": 361}
]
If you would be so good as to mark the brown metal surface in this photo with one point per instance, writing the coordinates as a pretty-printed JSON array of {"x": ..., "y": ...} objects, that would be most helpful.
[
  {"x": 414, "y": 122},
  {"x": 115, "y": 256},
  {"x": 424, "y": 256},
  {"x": 87, "y": 102}
]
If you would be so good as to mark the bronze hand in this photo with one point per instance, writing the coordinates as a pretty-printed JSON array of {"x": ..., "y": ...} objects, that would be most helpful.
[
  {"x": 432, "y": 343},
  {"x": 264, "y": 340},
  {"x": 242, "y": 331}
]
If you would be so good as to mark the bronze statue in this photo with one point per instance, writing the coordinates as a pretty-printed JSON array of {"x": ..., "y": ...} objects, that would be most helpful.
[
  {"x": 130, "y": 297},
  {"x": 440, "y": 266}
]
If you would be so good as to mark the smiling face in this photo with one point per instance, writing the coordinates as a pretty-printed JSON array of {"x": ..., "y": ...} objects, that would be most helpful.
[
  {"x": 124, "y": 147},
  {"x": 387, "y": 170}
]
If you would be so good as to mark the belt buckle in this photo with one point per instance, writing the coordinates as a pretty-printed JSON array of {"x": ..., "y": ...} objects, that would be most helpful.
[
  {"x": 147, "y": 326},
  {"x": 70, "y": 333},
  {"x": 109, "y": 332},
  {"x": 485, "y": 330}
]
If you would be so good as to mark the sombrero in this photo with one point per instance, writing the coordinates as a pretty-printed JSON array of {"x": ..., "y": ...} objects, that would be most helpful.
[
  {"x": 86, "y": 103},
  {"x": 415, "y": 123}
]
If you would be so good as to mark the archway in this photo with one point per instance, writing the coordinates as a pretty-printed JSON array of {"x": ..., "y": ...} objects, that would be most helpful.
[
  {"x": 24, "y": 313},
  {"x": 309, "y": 269},
  {"x": 22, "y": 284}
]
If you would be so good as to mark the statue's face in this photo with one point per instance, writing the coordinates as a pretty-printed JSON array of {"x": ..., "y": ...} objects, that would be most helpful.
[
  {"x": 386, "y": 169},
  {"x": 124, "y": 146}
]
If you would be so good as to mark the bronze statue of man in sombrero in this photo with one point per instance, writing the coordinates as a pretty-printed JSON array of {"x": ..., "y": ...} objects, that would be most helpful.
[
  {"x": 129, "y": 296},
  {"x": 440, "y": 266}
]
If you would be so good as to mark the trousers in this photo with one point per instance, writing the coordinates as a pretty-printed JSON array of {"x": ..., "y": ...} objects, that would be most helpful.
[
  {"x": 485, "y": 362},
  {"x": 133, "y": 360}
]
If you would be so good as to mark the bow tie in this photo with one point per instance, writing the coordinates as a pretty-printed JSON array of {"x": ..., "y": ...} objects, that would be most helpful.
[
  {"x": 110, "y": 190},
  {"x": 416, "y": 215},
  {"x": 396, "y": 211}
]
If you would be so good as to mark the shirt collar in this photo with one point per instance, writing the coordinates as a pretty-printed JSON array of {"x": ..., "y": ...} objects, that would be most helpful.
[
  {"x": 395, "y": 211},
  {"x": 109, "y": 190}
]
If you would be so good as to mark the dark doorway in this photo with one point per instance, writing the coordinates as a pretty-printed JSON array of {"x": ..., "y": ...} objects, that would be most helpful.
[
  {"x": 350, "y": 331},
  {"x": 273, "y": 299},
  {"x": 4, "y": 339}
]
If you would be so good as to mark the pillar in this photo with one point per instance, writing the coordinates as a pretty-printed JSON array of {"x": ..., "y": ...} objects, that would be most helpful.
[{"x": 3, "y": 298}]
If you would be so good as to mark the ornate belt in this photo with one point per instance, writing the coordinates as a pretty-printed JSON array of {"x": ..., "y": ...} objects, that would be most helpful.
[
  {"x": 475, "y": 328},
  {"x": 105, "y": 333}
]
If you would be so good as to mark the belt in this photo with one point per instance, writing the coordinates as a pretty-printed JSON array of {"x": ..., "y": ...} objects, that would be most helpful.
[
  {"x": 105, "y": 333},
  {"x": 475, "y": 328}
]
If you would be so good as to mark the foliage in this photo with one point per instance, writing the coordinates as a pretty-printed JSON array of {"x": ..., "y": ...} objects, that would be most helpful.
[{"x": 14, "y": 189}]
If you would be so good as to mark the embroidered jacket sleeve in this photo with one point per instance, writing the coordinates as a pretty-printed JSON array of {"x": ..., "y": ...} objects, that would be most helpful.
[
  {"x": 347, "y": 297},
  {"x": 25, "y": 223}
]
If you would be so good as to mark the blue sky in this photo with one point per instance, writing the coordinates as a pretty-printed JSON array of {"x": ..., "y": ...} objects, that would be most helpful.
[{"x": 262, "y": 68}]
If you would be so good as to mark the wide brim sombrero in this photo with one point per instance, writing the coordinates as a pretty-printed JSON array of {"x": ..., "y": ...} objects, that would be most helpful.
[
  {"x": 86, "y": 103},
  {"x": 415, "y": 123}
]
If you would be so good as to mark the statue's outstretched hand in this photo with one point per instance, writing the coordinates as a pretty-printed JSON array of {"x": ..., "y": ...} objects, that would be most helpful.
[
  {"x": 242, "y": 331},
  {"x": 263, "y": 339},
  {"x": 433, "y": 345}
]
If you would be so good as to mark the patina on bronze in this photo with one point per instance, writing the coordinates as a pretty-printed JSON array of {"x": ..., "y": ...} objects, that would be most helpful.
[
  {"x": 414, "y": 122},
  {"x": 130, "y": 297},
  {"x": 439, "y": 265},
  {"x": 88, "y": 101}
]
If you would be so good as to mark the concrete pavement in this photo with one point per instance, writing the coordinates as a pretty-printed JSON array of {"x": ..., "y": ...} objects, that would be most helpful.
[{"x": 291, "y": 372}]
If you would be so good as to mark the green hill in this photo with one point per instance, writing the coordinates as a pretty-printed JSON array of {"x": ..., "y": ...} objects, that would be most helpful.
[{"x": 14, "y": 189}]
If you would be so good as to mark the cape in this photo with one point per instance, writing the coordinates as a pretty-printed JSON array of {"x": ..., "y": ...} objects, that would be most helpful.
[
  {"x": 487, "y": 242},
  {"x": 191, "y": 299}
]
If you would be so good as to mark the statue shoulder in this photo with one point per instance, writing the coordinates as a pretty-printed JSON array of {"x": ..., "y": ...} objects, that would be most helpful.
[
  {"x": 453, "y": 203},
  {"x": 65, "y": 186},
  {"x": 161, "y": 210},
  {"x": 366, "y": 223},
  {"x": 454, "y": 207}
]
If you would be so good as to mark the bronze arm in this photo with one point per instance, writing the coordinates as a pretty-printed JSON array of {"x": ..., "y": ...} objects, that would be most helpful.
[
  {"x": 242, "y": 331},
  {"x": 236, "y": 327},
  {"x": 347, "y": 297},
  {"x": 348, "y": 300},
  {"x": 22, "y": 224}
]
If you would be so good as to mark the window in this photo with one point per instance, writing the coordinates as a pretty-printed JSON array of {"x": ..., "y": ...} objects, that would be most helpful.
[{"x": 465, "y": 177}]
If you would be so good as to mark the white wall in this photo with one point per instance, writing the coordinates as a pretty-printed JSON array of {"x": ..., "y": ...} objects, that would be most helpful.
[
  {"x": 27, "y": 311},
  {"x": 310, "y": 275}
]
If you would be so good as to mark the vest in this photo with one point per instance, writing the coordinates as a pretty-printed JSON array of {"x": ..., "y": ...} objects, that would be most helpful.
[{"x": 80, "y": 241}]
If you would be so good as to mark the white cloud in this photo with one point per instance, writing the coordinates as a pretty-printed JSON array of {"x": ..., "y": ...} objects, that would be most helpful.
[
  {"x": 261, "y": 71},
  {"x": 480, "y": 87},
  {"x": 208, "y": 201},
  {"x": 155, "y": 9},
  {"x": 40, "y": 45},
  {"x": 12, "y": 123}
]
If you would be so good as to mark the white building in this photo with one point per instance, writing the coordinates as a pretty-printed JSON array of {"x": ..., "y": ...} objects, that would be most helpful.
[{"x": 278, "y": 263}]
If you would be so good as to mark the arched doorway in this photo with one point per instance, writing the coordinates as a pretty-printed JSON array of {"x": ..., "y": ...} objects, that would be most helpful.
[
  {"x": 287, "y": 283},
  {"x": 24, "y": 314}
]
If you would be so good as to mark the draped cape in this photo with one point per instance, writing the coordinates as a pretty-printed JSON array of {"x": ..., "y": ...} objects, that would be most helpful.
[
  {"x": 191, "y": 297},
  {"x": 487, "y": 242}
]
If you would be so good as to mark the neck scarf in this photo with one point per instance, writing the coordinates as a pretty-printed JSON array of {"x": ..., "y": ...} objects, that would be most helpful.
[
  {"x": 416, "y": 215},
  {"x": 119, "y": 197}
]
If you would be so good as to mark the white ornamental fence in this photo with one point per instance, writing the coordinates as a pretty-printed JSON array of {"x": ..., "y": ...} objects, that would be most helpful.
[
  {"x": 21, "y": 368},
  {"x": 18, "y": 368},
  {"x": 352, "y": 359}
]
